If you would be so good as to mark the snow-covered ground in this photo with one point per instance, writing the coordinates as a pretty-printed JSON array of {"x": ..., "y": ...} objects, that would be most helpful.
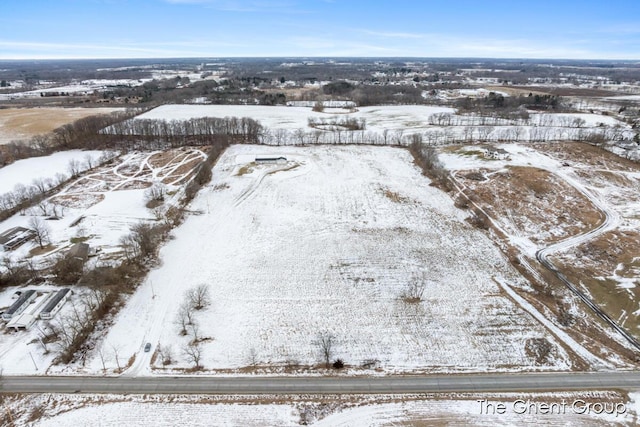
[
  {"x": 103, "y": 204},
  {"x": 545, "y": 409},
  {"x": 328, "y": 243},
  {"x": 436, "y": 125},
  {"x": 26, "y": 171},
  {"x": 291, "y": 118}
]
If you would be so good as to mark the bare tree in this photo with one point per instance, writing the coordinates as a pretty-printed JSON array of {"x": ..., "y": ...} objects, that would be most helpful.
[
  {"x": 102, "y": 359},
  {"x": 325, "y": 342},
  {"x": 74, "y": 168},
  {"x": 252, "y": 356},
  {"x": 41, "y": 231},
  {"x": 88, "y": 161},
  {"x": 184, "y": 317},
  {"x": 116, "y": 356},
  {"x": 193, "y": 353},
  {"x": 166, "y": 354},
  {"x": 199, "y": 297}
]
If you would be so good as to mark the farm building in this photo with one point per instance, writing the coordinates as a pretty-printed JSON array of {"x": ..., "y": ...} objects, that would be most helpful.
[
  {"x": 79, "y": 251},
  {"x": 23, "y": 321},
  {"x": 272, "y": 159},
  {"x": 14, "y": 237},
  {"x": 20, "y": 305},
  {"x": 55, "y": 304},
  {"x": 495, "y": 153}
]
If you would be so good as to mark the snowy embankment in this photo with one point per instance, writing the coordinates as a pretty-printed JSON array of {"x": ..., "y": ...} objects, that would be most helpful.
[{"x": 329, "y": 244}]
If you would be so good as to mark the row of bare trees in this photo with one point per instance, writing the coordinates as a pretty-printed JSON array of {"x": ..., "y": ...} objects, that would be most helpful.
[
  {"x": 177, "y": 133},
  {"x": 195, "y": 299}
]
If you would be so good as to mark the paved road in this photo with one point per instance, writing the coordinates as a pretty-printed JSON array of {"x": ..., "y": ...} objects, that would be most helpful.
[
  {"x": 611, "y": 221},
  {"x": 325, "y": 385}
]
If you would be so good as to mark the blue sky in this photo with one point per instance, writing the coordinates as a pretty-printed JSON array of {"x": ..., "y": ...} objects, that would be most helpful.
[{"x": 220, "y": 28}]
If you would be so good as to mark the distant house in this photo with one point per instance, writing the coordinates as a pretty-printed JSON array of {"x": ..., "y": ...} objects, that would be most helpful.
[
  {"x": 274, "y": 159},
  {"x": 20, "y": 305},
  {"x": 14, "y": 237},
  {"x": 495, "y": 153},
  {"x": 55, "y": 303}
]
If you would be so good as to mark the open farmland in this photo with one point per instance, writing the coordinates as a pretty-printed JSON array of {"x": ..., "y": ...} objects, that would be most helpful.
[
  {"x": 23, "y": 123},
  {"x": 391, "y": 117},
  {"x": 576, "y": 202},
  {"x": 328, "y": 243}
]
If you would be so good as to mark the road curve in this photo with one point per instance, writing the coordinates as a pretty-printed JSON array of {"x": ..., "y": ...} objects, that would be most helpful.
[
  {"x": 474, "y": 383},
  {"x": 610, "y": 221}
]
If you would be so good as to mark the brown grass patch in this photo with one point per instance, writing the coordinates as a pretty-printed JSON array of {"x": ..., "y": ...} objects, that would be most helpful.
[
  {"x": 78, "y": 201},
  {"x": 134, "y": 185},
  {"x": 600, "y": 264},
  {"x": 41, "y": 251},
  {"x": 534, "y": 203},
  {"x": 394, "y": 197},
  {"x": 24, "y": 123},
  {"x": 246, "y": 169},
  {"x": 586, "y": 154}
]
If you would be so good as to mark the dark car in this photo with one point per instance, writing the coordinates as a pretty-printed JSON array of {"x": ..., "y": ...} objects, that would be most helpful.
[{"x": 147, "y": 347}]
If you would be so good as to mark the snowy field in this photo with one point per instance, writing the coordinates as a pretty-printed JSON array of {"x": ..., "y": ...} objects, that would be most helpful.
[
  {"x": 328, "y": 243},
  {"x": 394, "y": 124},
  {"x": 26, "y": 171},
  {"x": 291, "y": 118},
  {"x": 457, "y": 410}
]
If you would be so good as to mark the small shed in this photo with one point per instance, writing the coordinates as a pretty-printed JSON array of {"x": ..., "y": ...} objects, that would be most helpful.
[
  {"x": 79, "y": 251},
  {"x": 271, "y": 159},
  {"x": 14, "y": 237}
]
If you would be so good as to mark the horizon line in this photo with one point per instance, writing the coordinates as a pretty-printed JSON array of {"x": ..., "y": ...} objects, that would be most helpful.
[{"x": 317, "y": 57}]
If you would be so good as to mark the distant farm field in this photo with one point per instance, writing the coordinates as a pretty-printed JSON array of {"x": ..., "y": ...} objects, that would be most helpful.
[
  {"x": 328, "y": 243},
  {"x": 23, "y": 123}
]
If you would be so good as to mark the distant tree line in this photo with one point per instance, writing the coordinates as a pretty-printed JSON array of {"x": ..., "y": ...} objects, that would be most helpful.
[
  {"x": 498, "y": 102},
  {"x": 177, "y": 133}
]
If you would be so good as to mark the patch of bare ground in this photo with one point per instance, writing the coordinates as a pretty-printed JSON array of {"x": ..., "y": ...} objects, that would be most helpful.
[
  {"x": 533, "y": 202},
  {"x": 135, "y": 185},
  {"x": 515, "y": 91},
  {"x": 394, "y": 196},
  {"x": 608, "y": 268},
  {"x": 41, "y": 250},
  {"x": 564, "y": 91},
  {"x": 24, "y": 123},
  {"x": 185, "y": 168},
  {"x": 77, "y": 201},
  {"x": 587, "y": 155}
]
